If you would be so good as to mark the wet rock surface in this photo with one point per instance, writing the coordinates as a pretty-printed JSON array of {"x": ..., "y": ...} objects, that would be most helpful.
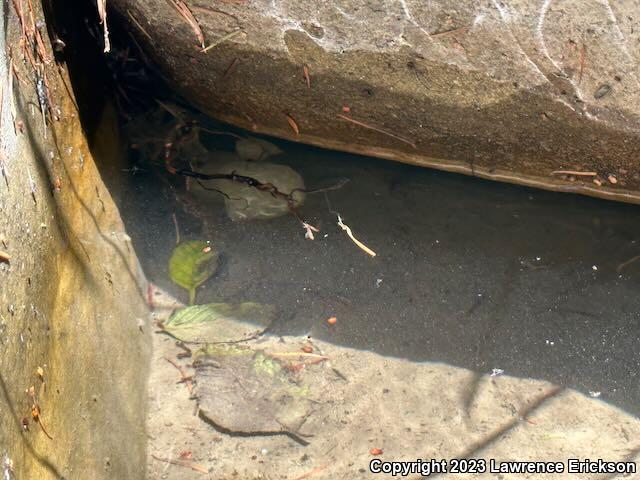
[{"x": 74, "y": 343}]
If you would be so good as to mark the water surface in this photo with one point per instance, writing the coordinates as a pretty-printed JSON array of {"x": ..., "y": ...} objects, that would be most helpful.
[{"x": 471, "y": 273}]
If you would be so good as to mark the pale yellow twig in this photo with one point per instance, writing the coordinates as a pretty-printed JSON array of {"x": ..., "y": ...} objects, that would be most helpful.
[
  {"x": 354, "y": 239},
  {"x": 574, "y": 172},
  {"x": 222, "y": 39},
  {"x": 297, "y": 354}
]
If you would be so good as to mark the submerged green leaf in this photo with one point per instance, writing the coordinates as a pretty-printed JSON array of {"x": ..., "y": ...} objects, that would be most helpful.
[
  {"x": 191, "y": 264},
  {"x": 219, "y": 322}
]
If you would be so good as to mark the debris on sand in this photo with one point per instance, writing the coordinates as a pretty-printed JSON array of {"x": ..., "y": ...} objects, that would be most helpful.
[{"x": 253, "y": 391}]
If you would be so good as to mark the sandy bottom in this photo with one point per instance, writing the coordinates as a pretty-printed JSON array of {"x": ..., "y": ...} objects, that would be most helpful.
[
  {"x": 469, "y": 276},
  {"x": 407, "y": 410}
]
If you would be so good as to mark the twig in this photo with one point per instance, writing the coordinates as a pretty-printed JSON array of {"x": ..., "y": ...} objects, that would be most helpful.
[
  {"x": 186, "y": 379},
  {"x": 307, "y": 77},
  {"x": 220, "y": 132},
  {"x": 574, "y": 172},
  {"x": 627, "y": 263},
  {"x": 293, "y": 124},
  {"x": 298, "y": 354},
  {"x": 12, "y": 105},
  {"x": 35, "y": 413},
  {"x": 583, "y": 52},
  {"x": 173, "y": 110},
  {"x": 354, "y": 239},
  {"x": 133, "y": 19},
  {"x": 311, "y": 472},
  {"x": 337, "y": 186},
  {"x": 371, "y": 127},
  {"x": 222, "y": 39},
  {"x": 182, "y": 463},
  {"x": 175, "y": 223},
  {"x": 230, "y": 68},
  {"x": 186, "y": 14},
  {"x": 448, "y": 32},
  {"x": 102, "y": 12}
]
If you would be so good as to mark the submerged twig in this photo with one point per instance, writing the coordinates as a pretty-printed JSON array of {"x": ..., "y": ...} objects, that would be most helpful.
[
  {"x": 220, "y": 132},
  {"x": 175, "y": 223},
  {"x": 627, "y": 263},
  {"x": 583, "y": 53},
  {"x": 574, "y": 172},
  {"x": 448, "y": 32},
  {"x": 311, "y": 472},
  {"x": 182, "y": 463},
  {"x": 222, "y": 39},
  {"x": 293, "y": 124},
  {"x": 376, "y": 129},
  {"x": 133, "y": 19},
  {"x": 297, "y": 354},
  {"x": 230, "y": 68},
  {"x": 307, "y": 77},
  {"x": 186, "y": 14},
  {"x": 353, "y": 238},
  {"x": 186, "y": 379},
  {"x": 341, "y": 183},
  {"x": 12, "y": 105},
  {"x": 35, "y": 414}
]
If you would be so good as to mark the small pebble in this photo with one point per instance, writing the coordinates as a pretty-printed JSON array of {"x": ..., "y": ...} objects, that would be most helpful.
[
  {"x": 597, "y": 181},
  {"x": 594, "y": 394},
  {"x": 594, "y": 268},
  {"x": 612, "y": 179},
  {"x": 332, "y": 320}
]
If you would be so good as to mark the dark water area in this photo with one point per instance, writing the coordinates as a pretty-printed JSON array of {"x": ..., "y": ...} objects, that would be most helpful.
[{"x": 468, "y": 272}]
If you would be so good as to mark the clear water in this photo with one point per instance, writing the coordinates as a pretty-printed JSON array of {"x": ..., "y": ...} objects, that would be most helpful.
[{"x": 471, "y": 273}]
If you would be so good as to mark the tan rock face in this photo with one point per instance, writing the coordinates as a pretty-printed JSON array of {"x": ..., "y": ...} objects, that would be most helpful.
[
  {"x": 510, "y": 90},
  {"x": 73, "y": 317}
]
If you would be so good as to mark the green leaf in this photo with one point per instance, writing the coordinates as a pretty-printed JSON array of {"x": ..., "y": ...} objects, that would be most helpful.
[
  {"x": 219, "y": 322},
  {"x": 191, "y": 264}
]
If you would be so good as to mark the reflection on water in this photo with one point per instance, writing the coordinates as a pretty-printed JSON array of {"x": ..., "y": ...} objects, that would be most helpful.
[{"x": 471, "y": 273}]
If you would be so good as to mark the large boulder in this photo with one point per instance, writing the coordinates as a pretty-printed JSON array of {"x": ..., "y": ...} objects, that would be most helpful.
[
  {"x": 74, "y": 333},
  {"x": 510, "y": 90}
]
